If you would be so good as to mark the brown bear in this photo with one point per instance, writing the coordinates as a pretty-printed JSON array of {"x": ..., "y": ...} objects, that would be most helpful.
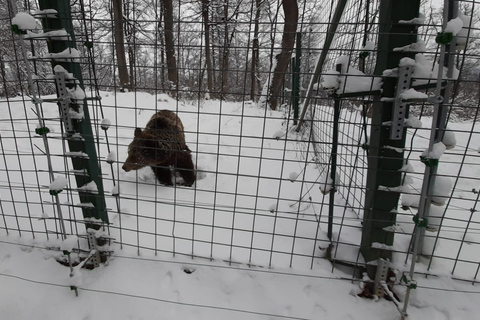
[{"x": 161, "y": 146}]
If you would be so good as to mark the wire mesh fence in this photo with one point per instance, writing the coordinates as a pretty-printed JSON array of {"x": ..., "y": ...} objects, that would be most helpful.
[{"x": 258, "y": 196}]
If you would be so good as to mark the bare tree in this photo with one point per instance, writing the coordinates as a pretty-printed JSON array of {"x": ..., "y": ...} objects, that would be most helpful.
[
  {"x": 290, "y": 10},
  {"x": 169, "y": 44},
  {"x": 255, "y": 52},
  {"x": 206, "y": 26},
  {"x": 120, "y": 43}
]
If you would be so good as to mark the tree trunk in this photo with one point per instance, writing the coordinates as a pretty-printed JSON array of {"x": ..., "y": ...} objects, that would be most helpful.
[
  {"x": 290, "y": 9},
  {"x": 120, "y": 44},
  {"x": 160, "y": 35},
  {"x": 170, "y": 45},
  {"x": 206, "y": 26},
  {"x": 225, "y": 55},
  {"x": 255, "y": 52}
]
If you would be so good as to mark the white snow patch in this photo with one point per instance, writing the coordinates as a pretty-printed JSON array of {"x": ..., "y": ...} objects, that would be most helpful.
[
  {"x": 24, "y": 21},
  {"x": 454, "y": 26},
  {"x": 90, "y": 187},
  {"x": 293, "y": 176},
  {"x": 441, "y": 189},
  {"x": 77, "y": 93},
  {"x": 411, "y": 93},
  {"x": 106, "y": 123},
  {"x": 418, "y": 46},
  {"x": 115, "y": 190},
  {"x": 413, "y": 122},
  {"x": 438, "y": 149},
  {"x": 111, "y": 157},
  {"x": 463, "y": 33},
  {"x": 425, "y": 71},
  {"x": 350, "y": 79},
  {"x": 406, "y": 62},
  {"x": 58, "y": 184},
  {"x": 69, "y": 243},
  {"x": 56, "y": 34},
  {"x": 418, "y": 20},
  {"x": 369, "y": 46},
  {"x": 449, "y": 139}
]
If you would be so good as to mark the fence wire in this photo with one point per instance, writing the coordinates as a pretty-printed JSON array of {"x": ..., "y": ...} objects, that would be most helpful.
[{"x": 257, "y": 199}]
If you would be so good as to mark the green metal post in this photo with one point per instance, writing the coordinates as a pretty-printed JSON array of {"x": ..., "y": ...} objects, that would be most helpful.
[
  {"x": 384, "y": 161},
  {"x": 83, "y": 127}
]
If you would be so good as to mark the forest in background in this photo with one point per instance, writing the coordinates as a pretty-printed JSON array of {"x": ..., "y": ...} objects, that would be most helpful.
[{"x": 211, "y": 49}]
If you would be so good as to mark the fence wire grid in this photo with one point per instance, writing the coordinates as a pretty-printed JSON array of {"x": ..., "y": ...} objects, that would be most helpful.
[{"x": 258, "y": 196}]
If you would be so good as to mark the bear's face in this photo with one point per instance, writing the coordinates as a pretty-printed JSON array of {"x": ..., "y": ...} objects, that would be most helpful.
[{"x": 143, "y": 151}]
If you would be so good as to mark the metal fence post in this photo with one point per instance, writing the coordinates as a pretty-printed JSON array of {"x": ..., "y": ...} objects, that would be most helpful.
[
  {"x": 385, "y": 156},
  {"x": 86, "y": 168}
]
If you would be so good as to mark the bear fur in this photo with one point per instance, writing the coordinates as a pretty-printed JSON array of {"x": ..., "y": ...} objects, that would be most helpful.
[{"x": 161, "y": 145}]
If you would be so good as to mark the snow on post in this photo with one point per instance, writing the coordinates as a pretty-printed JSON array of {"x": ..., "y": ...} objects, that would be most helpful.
[
  {"x": 437, "y": 151},
  {"x": 69, "y": 243},
  {"x": 463, "y": 33},
  {"x": 418, "y": 20},
  {"x": 90, "y": 187},
  {"x": 441, "y": 190},
  {"x": 454, "y": 26},
  {"x": 412, "y": 94},
  {"x": 24, "y": 21},
  {"x": 349, "y": 80},
  {"x": 58, "y": 185},
  {"x": 326, "y": 182},
  {"x": 105, "y": 124},
  {"x": 449, "y": 139},
  {"x": 111, "y": 157}
]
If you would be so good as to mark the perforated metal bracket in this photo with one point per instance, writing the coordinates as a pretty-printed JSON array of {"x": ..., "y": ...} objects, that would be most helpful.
[
  {"x": 381, "y": 277},
  {"x": 400, "y": 107},
  {"x": 92, "y": 242},
  {"x": 64, "y": 101}
]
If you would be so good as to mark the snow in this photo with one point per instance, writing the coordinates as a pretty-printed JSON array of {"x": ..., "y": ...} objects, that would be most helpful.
[
  {"x": 66, "y": 55},
  {"x": 58, "y": 184},
  {"x": 406, "y": 62},
  {"x": 449, "y": 139},
  {"x": 425, "y": 71},
  {"x": 69, "y": 243},
  {"x": 441, "y": 190},
  {"x": 464, "y": 32},
  {"x": 418, "y": 20},
  {"x": 24, "y": 21},
  {"x": 76, "y": 154},
  {"x": 111, "y": 157},
  {"x": 47, "y": 13},
  {"x": 454, "y": 26},
  {"x": 76, "y": 93},
  {"x": 59, "y": 68},
  {"x": 413, "y": 122},
  {"x": 105, "y": 124},
  {"x": 438, "y": 149},
  {"x": 369, "y": 46},
  {"x": 293, "y": 176},
  {"x": 56, "y": 34},
  {"x": 90, "y": 187},
  {"x": 115, "y": 190},
  {"x": 349, "y": 79},
  {"x": 411, "y": 94},
  {"x": 418, "y": 46}
]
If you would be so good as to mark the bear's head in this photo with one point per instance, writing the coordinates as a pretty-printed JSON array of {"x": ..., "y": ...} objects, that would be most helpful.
[{"x": 144, "y": 150}]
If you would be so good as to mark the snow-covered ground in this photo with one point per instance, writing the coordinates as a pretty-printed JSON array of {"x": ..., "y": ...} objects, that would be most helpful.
[{"x": 183, "y": 253}]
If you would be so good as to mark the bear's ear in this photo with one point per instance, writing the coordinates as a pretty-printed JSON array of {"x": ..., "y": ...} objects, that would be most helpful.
[{"x": 138, "y": 132}]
